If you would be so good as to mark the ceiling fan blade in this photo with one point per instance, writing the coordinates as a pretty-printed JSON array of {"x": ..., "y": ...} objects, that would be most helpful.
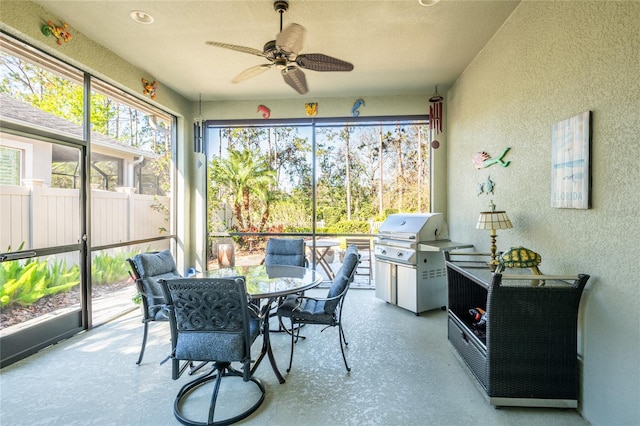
[
  {"x": 244, "y": 49},
  {"x": 290, "y": 39},
  {"x": 251, "y": 72},
  {"x": 295, "y": 78},
  {"x": 320, "y": 62}
]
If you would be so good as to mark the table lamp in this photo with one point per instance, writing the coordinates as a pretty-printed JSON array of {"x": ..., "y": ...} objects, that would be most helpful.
[{"x": 493, "y": 220}]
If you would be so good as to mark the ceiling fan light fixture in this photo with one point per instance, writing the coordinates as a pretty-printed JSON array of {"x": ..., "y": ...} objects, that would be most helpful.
[
  {"x": 428, "y": 2},
  {"x": 141, "y": 17}
]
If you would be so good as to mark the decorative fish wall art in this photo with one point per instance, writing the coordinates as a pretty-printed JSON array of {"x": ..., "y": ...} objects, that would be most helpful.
[{"x": 149, "y": 88}]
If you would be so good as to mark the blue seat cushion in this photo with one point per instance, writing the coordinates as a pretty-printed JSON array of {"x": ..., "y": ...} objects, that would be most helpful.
[
  {"x": 215, "y": 345},
  {"x": 351, "y": 249},
  {"x": 153, "y": 267},
  {"x": 322, "y": 311},
  {"x": 342, "y": 279},
  {"x": 285, "y": 251}
]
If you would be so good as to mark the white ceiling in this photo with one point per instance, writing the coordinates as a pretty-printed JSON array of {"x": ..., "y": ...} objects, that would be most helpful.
[{"x": 397, "y": 47}]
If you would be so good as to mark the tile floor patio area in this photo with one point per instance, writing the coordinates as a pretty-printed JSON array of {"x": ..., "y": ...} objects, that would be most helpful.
[{"x": 403, "y": 373}]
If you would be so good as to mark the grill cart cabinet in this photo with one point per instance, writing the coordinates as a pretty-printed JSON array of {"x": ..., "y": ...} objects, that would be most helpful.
[{"x": 527, "y": 354}]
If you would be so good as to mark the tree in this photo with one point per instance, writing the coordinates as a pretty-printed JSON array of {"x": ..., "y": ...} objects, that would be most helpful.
[
  {"x": 341, "y": 160},
  {"x": 363, "y": 172},
  {"x": 241, "y": 175}
]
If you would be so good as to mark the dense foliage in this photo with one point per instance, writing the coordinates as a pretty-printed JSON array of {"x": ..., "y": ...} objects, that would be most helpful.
[
  {"x": 261, "y": 178},
  {"x": 25, "y": 282}
]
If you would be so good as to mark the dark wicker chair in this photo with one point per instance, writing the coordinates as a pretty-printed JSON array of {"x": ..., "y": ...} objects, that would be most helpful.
[
  {"x": 146, "y": 270},
  {"x": 322, "y": 311},
  {"x": 212, "y": 321}
]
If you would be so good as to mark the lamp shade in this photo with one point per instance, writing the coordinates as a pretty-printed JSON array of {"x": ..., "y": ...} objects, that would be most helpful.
[{"x": 493, "y": 220}]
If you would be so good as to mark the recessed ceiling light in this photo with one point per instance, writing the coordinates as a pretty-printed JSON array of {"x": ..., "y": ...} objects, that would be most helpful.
[
  {"x": 141, "y": 17},
  {"x": 428, "y": 2}
]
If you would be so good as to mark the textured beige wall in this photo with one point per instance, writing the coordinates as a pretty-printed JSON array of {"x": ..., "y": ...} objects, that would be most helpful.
[{"x": 551, "y": 61}]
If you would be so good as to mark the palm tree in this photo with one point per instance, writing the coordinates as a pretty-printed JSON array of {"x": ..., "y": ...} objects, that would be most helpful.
[{"x": 243, "y": 174}]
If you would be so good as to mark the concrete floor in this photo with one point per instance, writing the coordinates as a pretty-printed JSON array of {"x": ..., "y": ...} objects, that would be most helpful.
[{"x": 403, "y": 373}]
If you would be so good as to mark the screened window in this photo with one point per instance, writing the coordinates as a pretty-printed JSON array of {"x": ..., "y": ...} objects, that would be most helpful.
[
  {"x": 319, "y": 178},
  {"x": 10, "y": 166},
  {"x": 39, "y": 91},
  {"x": 131, "y": 143},
  {"x": 265, "y": 178},
  {"x": 50, "y": 152}
]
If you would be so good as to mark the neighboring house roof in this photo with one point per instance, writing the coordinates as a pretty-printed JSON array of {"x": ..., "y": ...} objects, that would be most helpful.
[{"x": 17, "y": 111}]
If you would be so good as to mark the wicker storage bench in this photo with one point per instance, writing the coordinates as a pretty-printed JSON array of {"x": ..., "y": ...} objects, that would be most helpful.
[{"x": 526, "y": 353}]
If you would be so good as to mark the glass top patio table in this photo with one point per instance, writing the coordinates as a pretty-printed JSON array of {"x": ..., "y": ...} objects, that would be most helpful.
[
  {"x": 267, "y": 284},
  {"x": 271, "y": 281}
]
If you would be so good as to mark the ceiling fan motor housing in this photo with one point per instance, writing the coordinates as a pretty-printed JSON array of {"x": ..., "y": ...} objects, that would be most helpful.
[
  {"x": 281, "y": 6},
  {"x": 272, "y": 53},
  {"x": 269, "y": 49}
]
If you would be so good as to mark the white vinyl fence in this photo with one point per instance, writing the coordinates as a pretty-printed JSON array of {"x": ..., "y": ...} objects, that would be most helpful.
[{"x": 41, "y": 216}]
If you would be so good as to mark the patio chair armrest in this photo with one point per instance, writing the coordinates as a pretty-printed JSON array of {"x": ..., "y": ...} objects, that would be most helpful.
[
  {"x": 254, "y": 310},
  {"x": 162, "y": 306},
  {"x": 142, "y": 292},
  {"x": 318, "y": 299}
]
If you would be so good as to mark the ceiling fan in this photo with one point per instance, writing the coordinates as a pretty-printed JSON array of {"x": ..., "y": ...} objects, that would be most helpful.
[{"x": 283, "y": 53}]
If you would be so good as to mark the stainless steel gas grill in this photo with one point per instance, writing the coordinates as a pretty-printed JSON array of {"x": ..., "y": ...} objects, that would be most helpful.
[{"x": 410, "y": 269}]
